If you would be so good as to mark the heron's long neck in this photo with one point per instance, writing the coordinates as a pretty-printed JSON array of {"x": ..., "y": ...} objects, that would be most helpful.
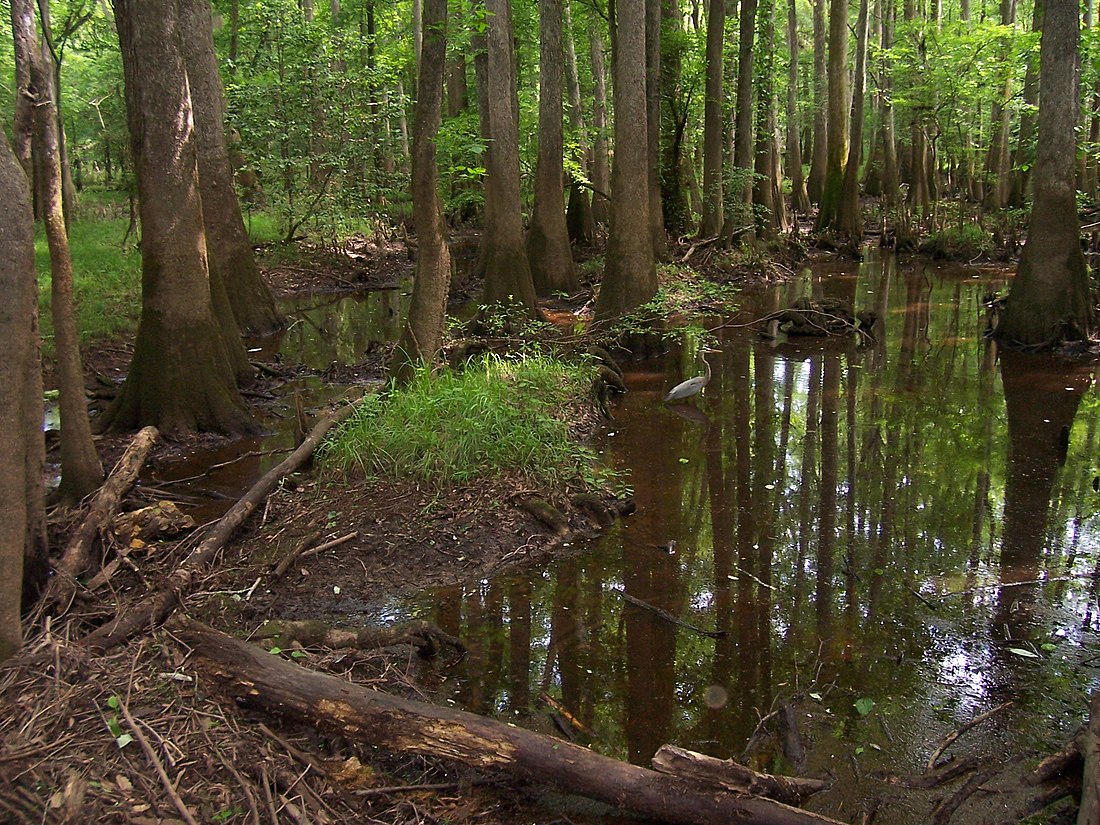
[{"x": 706, "y": 367}]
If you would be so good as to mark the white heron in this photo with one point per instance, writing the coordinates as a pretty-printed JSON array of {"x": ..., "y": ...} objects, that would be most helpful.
[{"x": 686, "y": 389}]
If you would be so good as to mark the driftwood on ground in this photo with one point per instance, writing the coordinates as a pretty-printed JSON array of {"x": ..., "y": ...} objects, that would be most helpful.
[
  {"x": 253, "y": 678},
  {"x": 726, "y": 773},
  {"x": 156, "y": 607},
  {"x": 77, "y": 556}
]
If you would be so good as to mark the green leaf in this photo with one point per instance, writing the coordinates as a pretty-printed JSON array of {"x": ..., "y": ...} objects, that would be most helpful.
[
  {"x": 864, "y": 706},
  {"x": 275, "y": 651},
  {"x": 114, "y": 727},
  {"x": 113, "y": 703},
  {"x": 1048, "y": 646},
  {"x": 1019, "y": 651}
]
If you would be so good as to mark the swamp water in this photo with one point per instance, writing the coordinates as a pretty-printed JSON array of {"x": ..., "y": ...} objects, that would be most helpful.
[{"x": 893, "y": 537}]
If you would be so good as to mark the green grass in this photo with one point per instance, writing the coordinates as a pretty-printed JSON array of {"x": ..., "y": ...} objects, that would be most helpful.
[
  {"x": 106, "y": 277},
  {"x": 498, "y": 416}
]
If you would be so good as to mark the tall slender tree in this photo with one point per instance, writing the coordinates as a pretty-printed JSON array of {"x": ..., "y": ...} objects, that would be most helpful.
[
  {"x": 800, "y": 199},
  {"x": 819, "y": 155},
  {"x": 630, "y": 275},
  {"x": 849, "y": 220},
  {"x": 1050, "y": 300},
  {"x": 548, "y": 250},
  {"x": 507, "y": 272},
  {"x": 711, "y": 223},
  {"x": 653, "y": 125},
  {"x": 423, "y": 330},
  {"x": 739, "y": 221},
  {"x": 601, "y": 168},
  {"x": 837, "y": 132},
  {"x": 81, "y": 470}
]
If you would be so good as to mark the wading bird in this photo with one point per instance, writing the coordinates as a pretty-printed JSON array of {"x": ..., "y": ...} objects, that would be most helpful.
[{"x": 686, "y": 389}]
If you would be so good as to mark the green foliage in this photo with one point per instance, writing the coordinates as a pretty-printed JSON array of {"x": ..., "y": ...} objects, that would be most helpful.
[
  {"x": 106, "y": 276},
  {"x": 959, "y": 243},
  {"x": 498, "y": 416}
]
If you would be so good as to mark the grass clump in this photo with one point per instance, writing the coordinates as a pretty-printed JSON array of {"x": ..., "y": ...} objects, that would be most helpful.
[
  {"x": 958, "y": 243},
  {"x": 498, "y": 416}
]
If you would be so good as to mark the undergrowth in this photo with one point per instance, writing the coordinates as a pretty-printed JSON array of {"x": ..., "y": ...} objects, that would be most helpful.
[{"x": 499, "y": 415}]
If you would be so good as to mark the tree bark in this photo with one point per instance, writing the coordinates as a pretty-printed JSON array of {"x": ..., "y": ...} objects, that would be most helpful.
[
  {"x": 579, "y": 219},
  {"x": 25, "y": 45},
  {"x": 181, "y": 378},
  {"x": 849, "y": 220},
  {"x": 790, "y": 790},
  {"x": 548, "y": 250},
  {"x": 674, "y": 116},
  {"x": 422, "y": 334},
  {"x": 711, "y": 223},
  {"x": 630, "y": 275},
  {"x": 81, "y": 470},
  {"x": 800, "y": 199},
  {"x": 601, "y": 169},
  {"x": 739, "y": 221},
  {"x": 653, "y": 127},
  {"x": 837, "y": 133},
  {"x": 228, "y": 246},
  {"x": 819, "y": 156},
  {"x": 507, "y": 272},
  {"x": 1049, "y": 302},
  {"x": 1089, "y": 811},
  {"x": 770, "y": 214},
  {"x": 998, "y": 179},
  {"x": 21, "y": 402},
  {"x": 255, "y": 678}
]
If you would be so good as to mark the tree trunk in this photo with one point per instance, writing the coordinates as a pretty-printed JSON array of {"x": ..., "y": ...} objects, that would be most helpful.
[
  {"x": 253, "y": 677},
  {"x": 800, "y": 199},
  {"x": 548, "y": 250},
  {"x": 25, "y": 44},
  {"x": 850, "y": 216},
  {"x": 81, "y": 470},
  {"x": 181, "y": 376},
  {"x": 423, "y": 330},
  {"x": 579, "y": 220},
  {"x": 711, "y": 223},
  {"x": 819, "y": 156},
  {"x": 739, "y": 222},
  {"x": 507, "y": 272},
  {"x": 1050, "y": 302},
  {"x": 837, "y": 136},
  {"x": 21, "y": 403},
  {"x": 674, "y": 114},
  {"x": 888, "y": 134},
  {"x": 1021, "y": 172},
  {"x": 997, "y": 175},
  {"x": 601, "y": 169},
  {"x": 228, "y": 246},
  {"x": 653, "y": 126},
  {"x": 630, "y": 276},
  {"x": 771, "y": 213}
]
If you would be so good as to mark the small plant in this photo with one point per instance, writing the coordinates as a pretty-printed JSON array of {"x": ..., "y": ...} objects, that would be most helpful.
[
  {"x": 498, "y": 415},
  {"x": 122, "y": 739},
  {"x": 958, "y": 243}
]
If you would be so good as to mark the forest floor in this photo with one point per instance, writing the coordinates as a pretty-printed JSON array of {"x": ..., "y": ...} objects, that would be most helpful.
[{"x": 131, "y": 736}]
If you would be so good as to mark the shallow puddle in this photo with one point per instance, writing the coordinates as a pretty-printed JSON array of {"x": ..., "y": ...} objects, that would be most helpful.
[{"x": 870, "y": 531}]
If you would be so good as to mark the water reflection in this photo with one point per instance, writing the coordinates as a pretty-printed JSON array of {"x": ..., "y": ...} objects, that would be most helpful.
[{"x": 855, "y": 519}]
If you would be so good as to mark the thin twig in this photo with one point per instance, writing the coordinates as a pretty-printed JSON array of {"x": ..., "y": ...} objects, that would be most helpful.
[{"x": 151, "y": 755}]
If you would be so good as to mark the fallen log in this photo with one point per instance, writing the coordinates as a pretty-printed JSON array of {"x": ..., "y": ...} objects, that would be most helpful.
[
  {"x": 1065, "y": 761},
  {"x": 428, "y": 639},
  {"x": 158, "y": 606},
  {"x": 253, "y": 678},
  {"x": 76, "y": 558},
  {"x": 1089, "y": 812},
  {"x": 733, "y": 776}
]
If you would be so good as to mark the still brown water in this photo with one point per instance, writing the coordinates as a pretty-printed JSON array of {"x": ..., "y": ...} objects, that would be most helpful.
[{"x": 893, "y": 537}]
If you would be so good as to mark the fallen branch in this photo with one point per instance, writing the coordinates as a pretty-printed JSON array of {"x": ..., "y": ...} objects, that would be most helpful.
[
  {"x": 151, "y": 755},
  {"x": 77, "y": 555},
  {"x": 934, "y": 778},
  {"x": 728, "y": 774},
  {"x": 252, "y": 678},
  {"x": 951, "y": 737},
  {"x": 668, "y": 617},
  {"x": 295, "y": 552},
  {"x": 1067, "y": 760},
  {"x": 158, "y": 606},
  {"x": 943, "y": 812},
  {"x": 424, "y": 636}
]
